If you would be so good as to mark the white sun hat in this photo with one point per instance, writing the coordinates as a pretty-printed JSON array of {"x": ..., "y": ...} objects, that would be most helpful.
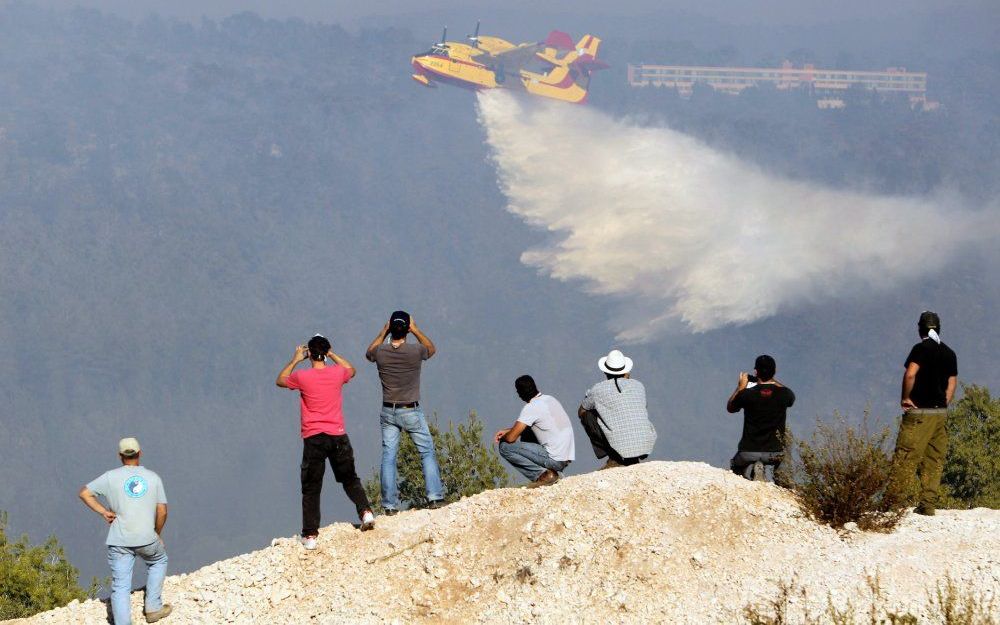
[{"x": 615, "y": 363}]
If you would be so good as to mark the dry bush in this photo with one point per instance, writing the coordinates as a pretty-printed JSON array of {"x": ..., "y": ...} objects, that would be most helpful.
[
  {"x": 948, "y": 604},
  {"x": 775, "y": 611},
  {"x": 841, "y": 475},
  {"x": 953, "y": 605}
]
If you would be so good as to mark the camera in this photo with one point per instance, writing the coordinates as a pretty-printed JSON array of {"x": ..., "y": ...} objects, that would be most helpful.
[{"x": 751, "y": 378}]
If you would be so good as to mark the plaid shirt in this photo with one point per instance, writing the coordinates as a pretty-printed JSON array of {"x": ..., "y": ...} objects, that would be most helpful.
[{"x": 623, "y": 416}]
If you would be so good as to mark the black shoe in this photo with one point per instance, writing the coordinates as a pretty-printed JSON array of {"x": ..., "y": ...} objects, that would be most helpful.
[
  {"x": 924, "y": 510},
  {"x": 390, "y": 512},
  {"x": 437, "y": 503}
]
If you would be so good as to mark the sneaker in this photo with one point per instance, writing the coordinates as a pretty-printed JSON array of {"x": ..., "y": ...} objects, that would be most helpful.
[
  {"x": 437, "y": 503},
  {"x": 390, "y": 512},
  {"x": 610, "y": 464},
  {"x": 547, "y": 478},
  {"x": 162, "y": 613},
  {"x": 309, "y": 542},
  {"x": 367, "y": 521},
  {"x": 758, "y": 472}
]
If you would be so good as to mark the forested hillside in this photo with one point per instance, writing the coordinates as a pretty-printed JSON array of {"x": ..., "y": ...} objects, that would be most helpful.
[{"x": 180, "y": 204}]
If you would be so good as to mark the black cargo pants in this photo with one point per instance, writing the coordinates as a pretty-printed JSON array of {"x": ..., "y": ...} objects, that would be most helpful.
[{"x": 316, "y": 450}]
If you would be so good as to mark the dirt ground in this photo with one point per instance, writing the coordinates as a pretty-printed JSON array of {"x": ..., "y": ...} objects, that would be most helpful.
[{"x": 677, "y": 542}]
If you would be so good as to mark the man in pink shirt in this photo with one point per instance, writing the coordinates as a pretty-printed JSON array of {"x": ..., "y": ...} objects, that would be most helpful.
[{"x": 323, "y": 434}]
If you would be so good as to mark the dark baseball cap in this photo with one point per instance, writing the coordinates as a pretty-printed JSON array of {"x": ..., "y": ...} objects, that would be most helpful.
[
  {"x": 929, "y": 320},
  {"x": 399, "y": 320}
]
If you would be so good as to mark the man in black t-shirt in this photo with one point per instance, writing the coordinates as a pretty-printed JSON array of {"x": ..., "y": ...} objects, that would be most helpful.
[
  {"x": 928, "y": 387},
  {"x": 764, "y": 402}
]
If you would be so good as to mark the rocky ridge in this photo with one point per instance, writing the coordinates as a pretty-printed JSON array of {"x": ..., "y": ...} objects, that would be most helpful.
[{"x": 677, "y": 542}]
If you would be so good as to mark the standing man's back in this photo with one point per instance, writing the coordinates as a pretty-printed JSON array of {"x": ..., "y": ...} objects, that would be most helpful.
[
  {"x": 324, "y": 435},
  {"x": 399, "y": 370},
  {"x": 929, "y": 381},
  {"x": 936, "y": 364},
  {"x": 136, "y": 513},
  {"x": 399, "y": 363}
]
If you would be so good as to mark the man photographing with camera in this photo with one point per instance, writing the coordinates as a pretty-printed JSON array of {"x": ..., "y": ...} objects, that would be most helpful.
[
  {"x": 323, "y": 434},
  {"x": 764, "y": 402},
  {"x": 399, "y": 363}
]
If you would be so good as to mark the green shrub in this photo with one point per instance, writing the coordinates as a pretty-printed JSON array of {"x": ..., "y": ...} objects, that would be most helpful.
[
  {"x": 35, "y": 578},
  {"x": 468, "y": 466},
  {"x": 971, "y": 476},
  {"x": 841, "y": 475}
]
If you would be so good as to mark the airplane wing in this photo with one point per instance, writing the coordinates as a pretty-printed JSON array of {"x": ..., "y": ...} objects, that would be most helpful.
[{"x": 515, "y": 57}]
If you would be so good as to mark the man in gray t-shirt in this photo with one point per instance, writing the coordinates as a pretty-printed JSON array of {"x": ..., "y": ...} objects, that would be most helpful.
[
  {"x": 399, "y": 370},
  {"x": 399, "y": 364},
  {"x": 136, "y": 513}
]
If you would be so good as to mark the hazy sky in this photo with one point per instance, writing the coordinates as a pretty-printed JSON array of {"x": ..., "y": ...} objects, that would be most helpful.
[{"x": 771, "y": 11}]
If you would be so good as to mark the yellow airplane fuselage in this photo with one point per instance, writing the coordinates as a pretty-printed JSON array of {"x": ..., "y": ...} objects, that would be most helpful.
[{"x": 482, "y": 67}]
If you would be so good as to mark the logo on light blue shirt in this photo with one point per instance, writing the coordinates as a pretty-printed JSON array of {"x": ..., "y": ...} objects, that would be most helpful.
[{"x": 136, "y": 487}]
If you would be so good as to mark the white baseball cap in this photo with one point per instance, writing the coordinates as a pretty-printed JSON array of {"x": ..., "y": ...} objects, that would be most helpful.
[{"x": 128, "y": 447}]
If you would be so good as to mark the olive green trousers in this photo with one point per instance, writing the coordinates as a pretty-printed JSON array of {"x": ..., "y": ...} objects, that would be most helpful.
[{"x": 921, "y": 447}]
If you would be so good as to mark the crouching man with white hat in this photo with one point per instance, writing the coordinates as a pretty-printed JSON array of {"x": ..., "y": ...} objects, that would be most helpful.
[
  {"x": 614, "y": 416},
  {"x": 136, "y": 513}
]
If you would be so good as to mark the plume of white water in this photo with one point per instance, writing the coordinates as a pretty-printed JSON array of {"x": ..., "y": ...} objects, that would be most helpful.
[{"x": 686, "y": 235}]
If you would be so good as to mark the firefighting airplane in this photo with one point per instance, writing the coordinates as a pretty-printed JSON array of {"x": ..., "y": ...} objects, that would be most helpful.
[{"x": 490, "y": 62}]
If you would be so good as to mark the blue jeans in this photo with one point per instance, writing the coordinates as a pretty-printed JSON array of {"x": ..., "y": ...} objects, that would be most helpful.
[
  {"x": 411, "y": 420},
  {"x": 122, "y": 559},
  {"x": 531, "y": 459}
]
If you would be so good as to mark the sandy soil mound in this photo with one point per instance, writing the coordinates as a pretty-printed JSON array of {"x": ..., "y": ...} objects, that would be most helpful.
[{"x": 677, "y": 542}]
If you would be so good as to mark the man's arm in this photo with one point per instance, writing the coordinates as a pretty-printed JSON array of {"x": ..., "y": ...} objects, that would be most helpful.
[
  {"x": 420, "y": 336},
  {"x": 378, "y": 340},
  {"x": 909, "y": 378},
  {"x": 741, "y": 384},
  {"x": 343, "y": 362},
  {"x": 161, "y": 518},
  {"x": 510, "y": 435},
  {"x": 301, "y": 353},
  {"x": 949, "y": 393},
  {"x": 91, "y": 502}
]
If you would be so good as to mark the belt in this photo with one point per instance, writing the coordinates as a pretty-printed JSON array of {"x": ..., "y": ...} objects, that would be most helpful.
[
  {"x": 926, "y": 411},
  {"x": 411, "y": 404}
]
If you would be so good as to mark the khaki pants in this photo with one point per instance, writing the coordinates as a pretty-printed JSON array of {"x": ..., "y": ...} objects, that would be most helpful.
[{"x": 921, "y": 447}]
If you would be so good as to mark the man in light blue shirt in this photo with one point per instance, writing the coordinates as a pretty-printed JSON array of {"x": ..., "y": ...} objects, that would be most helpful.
[{"x": 136, "y": 512}]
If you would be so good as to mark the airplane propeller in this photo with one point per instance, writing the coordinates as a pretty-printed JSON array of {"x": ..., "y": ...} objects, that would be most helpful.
[
  {"x": 474, "y": 38},
  {"x": 442, "y": 47}
]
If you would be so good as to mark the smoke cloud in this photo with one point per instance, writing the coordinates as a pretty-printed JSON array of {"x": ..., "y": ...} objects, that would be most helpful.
[{"x": 685, "y": 235}]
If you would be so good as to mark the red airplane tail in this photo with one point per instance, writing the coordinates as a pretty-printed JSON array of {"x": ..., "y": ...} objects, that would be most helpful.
[{"x": 559, "y": 40}]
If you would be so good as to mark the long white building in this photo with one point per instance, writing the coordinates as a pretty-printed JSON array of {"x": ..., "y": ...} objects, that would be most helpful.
[{"x": 827, "y": 84}]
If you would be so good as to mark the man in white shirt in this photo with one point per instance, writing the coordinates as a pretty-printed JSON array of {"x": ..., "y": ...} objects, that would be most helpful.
[{"x": 549, "y": 425}]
